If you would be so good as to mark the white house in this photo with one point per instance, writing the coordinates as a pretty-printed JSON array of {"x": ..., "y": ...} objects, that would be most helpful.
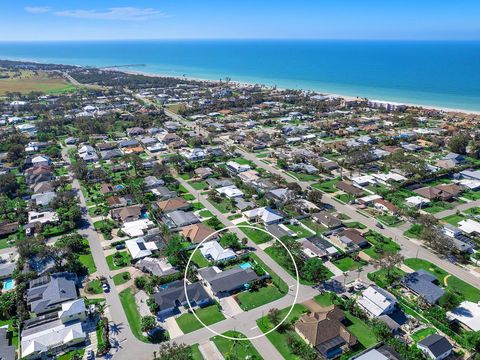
[
  {"x": 416, "y": 201},
  {"x": 43, "y": 217},
  {"x": 53, "y": 337},
  {"x": 263, "y": 214},
  {"x": 212, "y": 250},
  {"x": 41, "y": 160},
  {"x": 139, "y": 248},
  {"x": 469, "y": 226},
  {"x": 377, "y": 301},
  {"x": 467, "y": 314},
  {"x": 230, "y": 191},
  {"x": 364, "y": 180},
  {"x": 137, "y": 227},
  {"x": 236, "y": 167},
  {"x": 73, "y": 310}
]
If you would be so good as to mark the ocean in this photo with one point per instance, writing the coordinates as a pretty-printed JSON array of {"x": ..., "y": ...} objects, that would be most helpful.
[{"x": 430, "y": 73}]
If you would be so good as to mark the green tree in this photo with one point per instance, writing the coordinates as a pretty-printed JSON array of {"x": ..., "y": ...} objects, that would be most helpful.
[
  {"x": 173, "y": 351},
  {"x": 230, "y": 240},
  {"x": 148, "y": 323},
  {"x": 459, "y": 142},
  {"x": 314, "y": 270},
  {"x": 8, "y": 185}
]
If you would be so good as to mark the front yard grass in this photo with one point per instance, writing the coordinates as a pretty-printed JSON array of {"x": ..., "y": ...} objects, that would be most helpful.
[
  {"x": 390, "y": 220},
  {"x": 121, "y": 278},
  {"x": 280, "y": 339},
  {"x": 88, "y": 262},
  {"x": 362, "y": 331},
  {"x": 94, "y": 287},
  {"x": 469, "y": 292},
  {"x": 299, "y": 230},
  {"x": 257, "y": 236},
  {"x": 199, "y": 185},
  {"x": 116, "y": 262},
  {"x": 196, "y": 354},
  {"x": 224, "y": 206},
  {"x": 127, "y": 298},
  {"x": 414, "y": 231},
  {"x": 209, "y": 315},
  {"x": 347, "y": 264},
  {"x": 205, "y": 213},
  {"x": 237, "y": 349},
  {"x": 454, "y": 219},
  {"x": 318, "y": 228},
  {"x": 355, "y": 225},
  {"x": 251, "y": 299},
  {"x": 327, "y": 186},
  {"x": 438, "y": 206}
]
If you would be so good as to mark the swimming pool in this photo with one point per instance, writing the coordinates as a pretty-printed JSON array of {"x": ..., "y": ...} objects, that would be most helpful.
[
  {"x": 246, "y": 265},
  {"x": 8, "y": 284}
]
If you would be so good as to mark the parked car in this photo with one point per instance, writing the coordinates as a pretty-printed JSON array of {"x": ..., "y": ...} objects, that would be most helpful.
[
  {"x": 90, "y": 355},
  {"x": 120, "y": 247},
  {"x": 106, "y": 287}
]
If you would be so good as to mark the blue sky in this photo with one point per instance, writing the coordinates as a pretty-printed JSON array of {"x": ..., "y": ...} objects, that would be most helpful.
[{"x": 237, "y": 19}]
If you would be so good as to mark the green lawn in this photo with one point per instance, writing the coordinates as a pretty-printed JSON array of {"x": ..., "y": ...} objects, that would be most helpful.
[
  {"x": 188, "y": 197},
  {"x": 323, "y": 299},
  {"x": 378, "y": 240},
  {"x": 390, "y": 220},
  {"x": 469, "y": 292},
  {"x": 199, "y": 260},
  {"x": 347, "y": 264},
  {"x": 234, "y": 216},
  {"x": 12, "y": 329},
  {"x": 127, "y": 299},
  {"x": 471, "y": 195},
  {"x": 224, "y": 206},
  {"x": 238, "y": 349},
  {"x": 454, "y": 219},
  {"x": 438, "y": 206},
  {"x": 303, "y": 177},
  {"x": 277, "y": 280},
  {"x": 121, "y": 278},
  {"x": 209, "y": 315},
  {"x": 257, "y": 236},
  {"x": 250, "y": 300},
  {"x": 199, "y": 185},
  {"x": 196, "y": 354},
  {"x": 345, "y": 198},
  {"x": 313, "y": 225},
  {"x": 327, "y": 186},
  {"x": 422, "y": 334},
  {"x": 299, "y": 230},
  {"x": 205, "y": 213},
  {"x": 362, "y": 331},
  {"x": 355, "y": 225},
  {"x": 278, "y": 339},
  {"x": 118, "y": 263},
  {"x": 380, "y": 276},
  {"x": 472, "y": 211},
  {"x": 70, "y": 354},
  {"x": 414, "y": 231},
  {"x": 242, "y": 161},
  {"x": 94, "y": 287},
  {"x": 87, "y": 261}
]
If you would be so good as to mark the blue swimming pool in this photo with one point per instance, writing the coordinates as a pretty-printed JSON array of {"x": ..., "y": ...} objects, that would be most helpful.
[
  {"x": 8, "y": 284},
  {"x": 246, "y": 265}
]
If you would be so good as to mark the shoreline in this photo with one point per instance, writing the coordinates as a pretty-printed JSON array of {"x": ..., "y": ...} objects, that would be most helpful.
[
  {"x": 244, "y": 83},
  {"x": 345, "y": 97}
]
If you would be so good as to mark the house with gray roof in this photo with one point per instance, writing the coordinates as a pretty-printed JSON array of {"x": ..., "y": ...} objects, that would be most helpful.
[
  {"x": 435, "y": 347},
  {"x": 7, "y": 351},
  {"x": 172, "y": 297},
  {"x": 177, "y": 219},
  {"x": 47, "y": 293},
  {"x": 423, "y": 284},
  {"x": 223, "y": 283}
]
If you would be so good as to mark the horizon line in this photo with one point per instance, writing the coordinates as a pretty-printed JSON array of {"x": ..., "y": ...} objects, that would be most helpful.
[{"x": 239, "y": 39}]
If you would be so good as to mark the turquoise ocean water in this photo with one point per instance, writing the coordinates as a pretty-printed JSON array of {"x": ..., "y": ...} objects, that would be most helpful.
[{"x": 442, "y": 74}]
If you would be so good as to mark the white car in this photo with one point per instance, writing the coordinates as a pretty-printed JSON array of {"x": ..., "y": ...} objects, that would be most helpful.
[{"x": 106, "y": 288}]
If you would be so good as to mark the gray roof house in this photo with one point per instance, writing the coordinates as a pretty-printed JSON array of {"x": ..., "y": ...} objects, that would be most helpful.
[
  {"x": 43, "y": 199},
  {"x": 173, "y": 297},
  {"x": 225, "y": 282},
  {"x": 178, "y": 219},
  {"x": 435, "y": 347},
  {"x": 47, "y": 293},
  {"x": 7, "y": 352},
  {"x": 422, "y": 283}
]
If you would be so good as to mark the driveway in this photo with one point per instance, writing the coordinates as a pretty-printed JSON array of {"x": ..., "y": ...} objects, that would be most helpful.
[
  {"x": 170, "y": 324},
  {"x": 230, "y": 306}
]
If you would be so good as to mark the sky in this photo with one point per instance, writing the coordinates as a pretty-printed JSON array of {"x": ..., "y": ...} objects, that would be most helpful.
[{"x": 46, "y": 20}]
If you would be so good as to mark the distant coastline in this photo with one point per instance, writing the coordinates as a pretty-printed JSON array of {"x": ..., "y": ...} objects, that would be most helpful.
[{"x": 432, "y": 75}]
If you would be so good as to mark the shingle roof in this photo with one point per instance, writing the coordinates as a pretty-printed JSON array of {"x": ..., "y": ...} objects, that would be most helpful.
[
  {"x": 175, "y": 295},
  {"x": 437, "y": 344},
  {"x": 228, "y": 280}
]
